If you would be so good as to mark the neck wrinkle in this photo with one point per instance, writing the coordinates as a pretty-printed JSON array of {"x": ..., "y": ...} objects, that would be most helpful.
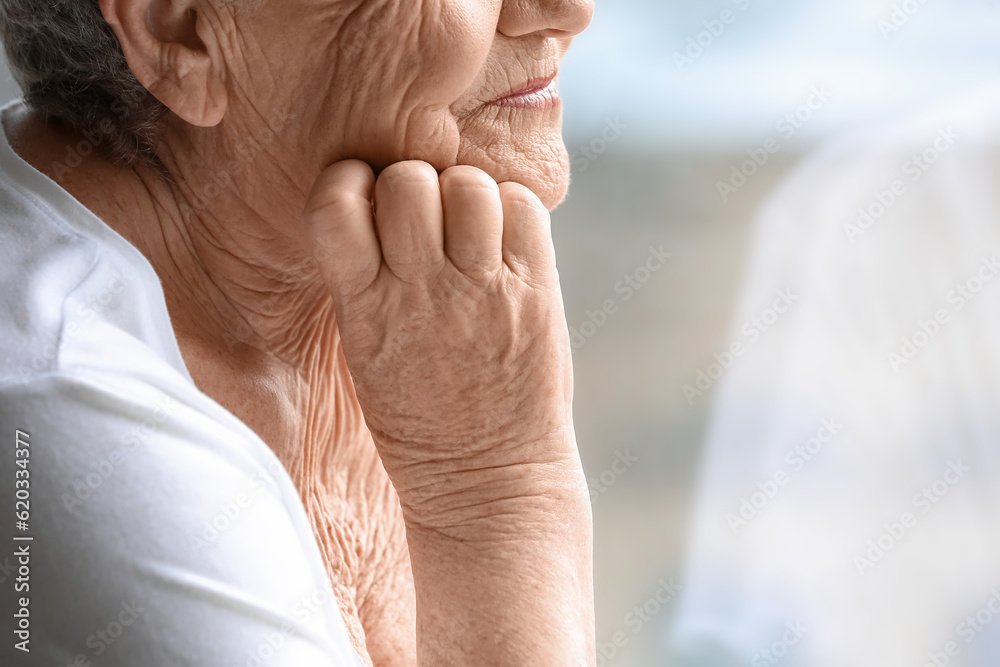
[{"x": 237, "y": 262}]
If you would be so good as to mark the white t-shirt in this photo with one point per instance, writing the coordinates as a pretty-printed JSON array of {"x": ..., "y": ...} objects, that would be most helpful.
[
  {"x": 849, "y": 508},
  {"x": 165, "y": 531}
]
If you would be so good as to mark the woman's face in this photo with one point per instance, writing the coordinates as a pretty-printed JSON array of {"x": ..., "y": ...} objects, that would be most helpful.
[{"x": 391, "y": 80}]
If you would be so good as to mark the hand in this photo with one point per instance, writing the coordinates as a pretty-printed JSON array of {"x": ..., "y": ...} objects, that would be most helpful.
[
  {"x": 447, "y": 300},
  {"x": 448, "y": 304}
]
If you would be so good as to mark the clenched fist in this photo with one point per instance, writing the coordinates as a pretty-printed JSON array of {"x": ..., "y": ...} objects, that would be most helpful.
[{"x": 448, "y": 305}]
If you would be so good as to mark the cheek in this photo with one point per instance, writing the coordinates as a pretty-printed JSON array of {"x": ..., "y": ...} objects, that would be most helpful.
[{"x": 419, "y": 59}]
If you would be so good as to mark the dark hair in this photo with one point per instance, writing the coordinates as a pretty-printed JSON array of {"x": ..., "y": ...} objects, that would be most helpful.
[{"x": 69, "y": 65}]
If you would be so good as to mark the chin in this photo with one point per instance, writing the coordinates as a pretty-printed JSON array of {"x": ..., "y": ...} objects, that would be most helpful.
[
  {"x": 546, "y": 171},
  {"x": 547, "y": 176},
  {"x": 538, "y": 161},
  {"x": 557, "y": 183}
]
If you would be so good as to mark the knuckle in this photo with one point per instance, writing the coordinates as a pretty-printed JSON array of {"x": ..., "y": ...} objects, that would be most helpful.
[
  {"x": 520, "y": 199},
  {"x": 410, "y": 172},
  {"x": 332, "y": 203},
  {"x": 335, "y": 191},
  {"x": 338, "y": 173},
  {"x": 467, "y": 177}
]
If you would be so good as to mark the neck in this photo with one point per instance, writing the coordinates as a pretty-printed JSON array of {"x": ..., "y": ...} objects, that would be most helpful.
[
  {"x": 222, "y": 232},
  {"x": 244, "y": 296}
]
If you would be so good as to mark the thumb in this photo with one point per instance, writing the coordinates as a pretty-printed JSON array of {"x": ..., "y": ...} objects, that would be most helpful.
[{"x": 339, "y": 223}]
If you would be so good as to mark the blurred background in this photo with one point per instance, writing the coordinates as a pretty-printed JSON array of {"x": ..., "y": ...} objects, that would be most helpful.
[
  {"x": 662, "y": 98},
  {"x": 679, "y": 121}
]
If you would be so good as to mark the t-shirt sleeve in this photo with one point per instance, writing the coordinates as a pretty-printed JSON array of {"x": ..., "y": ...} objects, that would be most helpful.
[{"x": 159, "y": 536}]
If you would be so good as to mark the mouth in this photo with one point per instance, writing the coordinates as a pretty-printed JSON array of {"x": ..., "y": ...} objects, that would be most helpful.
[{"x": 540, "y": 93}]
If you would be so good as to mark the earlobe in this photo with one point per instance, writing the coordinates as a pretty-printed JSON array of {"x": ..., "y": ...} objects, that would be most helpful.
[{"x": 170, "y": 50}]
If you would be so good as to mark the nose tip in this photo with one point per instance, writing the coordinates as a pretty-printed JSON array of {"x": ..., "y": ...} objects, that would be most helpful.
[
  {"x": 581, "y": 14},
  {"x": 557, "y": 18}
]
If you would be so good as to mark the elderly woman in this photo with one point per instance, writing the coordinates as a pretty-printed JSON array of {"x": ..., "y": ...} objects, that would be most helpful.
[{"x": 285, "y": 374}]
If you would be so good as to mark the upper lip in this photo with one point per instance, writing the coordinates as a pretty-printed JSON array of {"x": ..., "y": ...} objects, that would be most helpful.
[{"x": 531, "y": 86}]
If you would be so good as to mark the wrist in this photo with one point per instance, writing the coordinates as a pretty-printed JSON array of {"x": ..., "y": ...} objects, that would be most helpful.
[
  {"x": 489, "y": 516},
  {"x": 495, "y": 493}
]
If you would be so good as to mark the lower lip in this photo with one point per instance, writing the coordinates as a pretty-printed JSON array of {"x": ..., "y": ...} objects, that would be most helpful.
[{"x": 543, "y": 98}]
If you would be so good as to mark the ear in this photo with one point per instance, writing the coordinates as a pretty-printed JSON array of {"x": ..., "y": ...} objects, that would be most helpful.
[{"x": 172, "y": 50}]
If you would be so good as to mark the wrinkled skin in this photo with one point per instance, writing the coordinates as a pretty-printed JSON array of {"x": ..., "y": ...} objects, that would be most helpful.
[
  {"x": 391, "y": 80},
  {"x": 467, "y": 513}
]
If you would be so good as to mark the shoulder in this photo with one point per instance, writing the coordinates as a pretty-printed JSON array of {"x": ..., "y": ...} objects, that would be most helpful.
[
  {"x": 165, "y": 531},
  {"x": 149, "y": 511},
  {"x": 70, "y": 282}
]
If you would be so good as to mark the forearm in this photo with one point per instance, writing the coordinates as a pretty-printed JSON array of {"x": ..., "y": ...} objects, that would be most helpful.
[{"x": 513, "y": 585}]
